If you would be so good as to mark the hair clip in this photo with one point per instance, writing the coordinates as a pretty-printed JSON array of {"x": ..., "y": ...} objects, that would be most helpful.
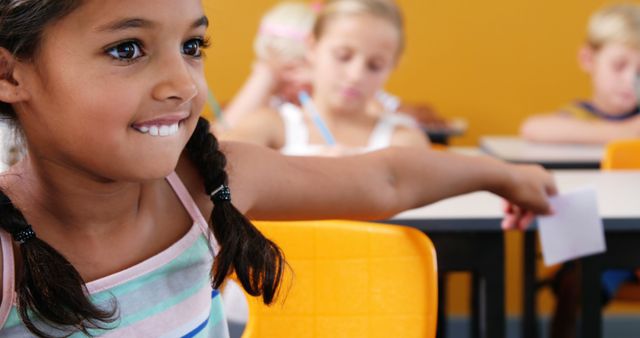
[
  {"x": 24, "y": 235},
  {"x": 221, "y": 194}
]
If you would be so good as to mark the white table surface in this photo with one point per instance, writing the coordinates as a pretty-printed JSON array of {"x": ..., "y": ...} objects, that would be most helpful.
[
  {"x": 513, "y": 148},
  {"x": 618, "y": 197}
]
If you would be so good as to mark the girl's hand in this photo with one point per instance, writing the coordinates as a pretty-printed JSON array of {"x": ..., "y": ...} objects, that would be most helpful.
[
  {"x": 266, "y": 73},
  {"x": 527, "y": 193}
]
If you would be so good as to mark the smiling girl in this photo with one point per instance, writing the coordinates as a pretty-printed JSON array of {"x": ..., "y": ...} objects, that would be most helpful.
[{"x": 122, "y": 205}]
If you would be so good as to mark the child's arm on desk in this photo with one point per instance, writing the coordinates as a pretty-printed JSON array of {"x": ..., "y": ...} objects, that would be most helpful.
[
  {"x": 559, "y": 128},
  {"x": 376, "y": 185}
]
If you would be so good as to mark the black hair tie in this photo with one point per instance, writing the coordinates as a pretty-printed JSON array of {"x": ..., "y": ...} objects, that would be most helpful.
[
  {"x": 24, "y": 235},
  {"x": 221, "y": 194}
]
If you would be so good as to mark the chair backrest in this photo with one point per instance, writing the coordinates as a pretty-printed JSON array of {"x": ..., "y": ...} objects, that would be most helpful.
[
  {"x": 624, "y": 154},
  {"x": 350, "y": 279}
]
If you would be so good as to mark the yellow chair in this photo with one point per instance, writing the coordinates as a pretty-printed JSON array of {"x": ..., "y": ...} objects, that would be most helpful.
[
  {"x": 623, "y": 154},
  {"x": 619, "y": 155},
  {"x": 349, "y": 279}
]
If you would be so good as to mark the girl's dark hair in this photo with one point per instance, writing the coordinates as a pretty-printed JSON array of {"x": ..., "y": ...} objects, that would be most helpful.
[
  {"x": 49, "y": 288},
  {"x": 21, "y": 25},
  {"x": 257, "y": 261}
]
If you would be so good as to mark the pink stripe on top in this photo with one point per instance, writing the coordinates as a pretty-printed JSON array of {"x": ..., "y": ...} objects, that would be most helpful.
[
  {"x": 199, "y": 227},
  {"x": 8, "y": 276},
  {"x": 146, "y": 266}
]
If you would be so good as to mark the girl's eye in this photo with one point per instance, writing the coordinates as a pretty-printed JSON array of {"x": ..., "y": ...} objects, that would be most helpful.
[
  {"x": 375, "y": 66},
  {"x": 126, "y": 51},
  {"x": 342, "y": 55},
  {"x": 194, "y": 47}
]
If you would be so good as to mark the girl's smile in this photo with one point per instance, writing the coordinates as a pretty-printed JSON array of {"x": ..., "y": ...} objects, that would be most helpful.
[
  {"x": 166, "y": 125},
  {"x": 139, "y": 68}
]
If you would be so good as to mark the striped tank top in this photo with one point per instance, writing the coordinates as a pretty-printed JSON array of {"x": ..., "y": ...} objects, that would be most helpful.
[{"x": 167, "y": 295}]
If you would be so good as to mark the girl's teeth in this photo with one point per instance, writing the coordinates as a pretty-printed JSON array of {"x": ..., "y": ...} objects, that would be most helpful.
[{"x": 163, "y": 130}]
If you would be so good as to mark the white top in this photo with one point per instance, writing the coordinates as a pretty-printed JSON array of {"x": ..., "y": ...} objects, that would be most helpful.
[
  {"x": 297, "y": 134},
  {"x": 7, "y": 142}
]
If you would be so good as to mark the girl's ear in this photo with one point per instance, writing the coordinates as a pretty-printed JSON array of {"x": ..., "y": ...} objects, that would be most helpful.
[
  {"x": 10, "y": 89},
  {"x": 586, "y": 57}
]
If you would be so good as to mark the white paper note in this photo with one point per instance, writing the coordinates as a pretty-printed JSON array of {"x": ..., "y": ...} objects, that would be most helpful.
[{"x": 574, "y": 230}]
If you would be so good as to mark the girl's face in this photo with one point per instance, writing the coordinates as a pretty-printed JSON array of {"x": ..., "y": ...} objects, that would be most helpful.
[
  {"x": 353, "y": 59},
  {"x": 116, "y": 88}
]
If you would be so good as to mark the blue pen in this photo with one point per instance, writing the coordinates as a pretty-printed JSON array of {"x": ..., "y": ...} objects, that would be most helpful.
[{"x": 308, "y": 105}]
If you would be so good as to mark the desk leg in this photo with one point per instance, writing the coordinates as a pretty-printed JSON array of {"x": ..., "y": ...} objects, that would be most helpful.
[
  {"x": 483, "y": 254},
  {"x": 494, "y": 299},
  {"x": 529, "y": 312},
  {"x": 441, "y": 331},
  {"x": 477, "y": 313},
  {"x": 591, "y": 314}
]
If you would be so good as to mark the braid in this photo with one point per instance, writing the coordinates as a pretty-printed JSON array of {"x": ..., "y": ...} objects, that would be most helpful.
[
  {"x": 257, "y": 261},
  {"x": 49, "y": 286}
]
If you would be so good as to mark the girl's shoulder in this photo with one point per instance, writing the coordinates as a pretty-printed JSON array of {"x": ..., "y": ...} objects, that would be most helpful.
[{"x": 263, "y": 127}]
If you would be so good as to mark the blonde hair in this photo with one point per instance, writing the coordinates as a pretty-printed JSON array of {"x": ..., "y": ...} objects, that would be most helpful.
[
  {"x": 616, "y": 23},
  {"x": 283, "y": 31},
  {"x": 385, "y": 9}
]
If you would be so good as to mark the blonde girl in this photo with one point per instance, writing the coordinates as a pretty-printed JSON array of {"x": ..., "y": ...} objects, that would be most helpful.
[{"x": 355, "y": 46}]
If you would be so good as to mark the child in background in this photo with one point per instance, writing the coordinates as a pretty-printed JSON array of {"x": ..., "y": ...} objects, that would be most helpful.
[
  {"x": 611, "y": 56},
  {"x": 355, "y": 47},
  {"x": 103, "y": 226},
  {"x": 280, "y": 70}
]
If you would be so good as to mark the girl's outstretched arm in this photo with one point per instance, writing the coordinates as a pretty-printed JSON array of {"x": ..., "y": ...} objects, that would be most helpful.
[{"x": 377, "y": 185}]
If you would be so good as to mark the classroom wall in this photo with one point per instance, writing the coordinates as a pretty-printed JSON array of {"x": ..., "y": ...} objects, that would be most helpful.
[{"x": 491, "y": 62}]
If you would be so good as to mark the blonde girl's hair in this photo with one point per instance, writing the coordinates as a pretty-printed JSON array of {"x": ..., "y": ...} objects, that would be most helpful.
[
  {"x": 284, "y": 30},
  {"x": 615, "y": 23},
  {"x": 385, "y": 9}
]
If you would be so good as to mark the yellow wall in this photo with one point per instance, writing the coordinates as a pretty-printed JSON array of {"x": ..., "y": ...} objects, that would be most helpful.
[{"x": 491, "y": 62}]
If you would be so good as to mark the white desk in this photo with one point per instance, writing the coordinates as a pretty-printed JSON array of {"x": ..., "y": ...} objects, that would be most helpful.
[
  {"x": 467, "y": 235},
  {"x": 618, "y": 197},
  {"x": 551, "y": 156}
]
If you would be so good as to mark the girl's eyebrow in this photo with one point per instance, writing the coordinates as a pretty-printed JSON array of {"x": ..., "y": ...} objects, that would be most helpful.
[{"x": 128, "y": 23}]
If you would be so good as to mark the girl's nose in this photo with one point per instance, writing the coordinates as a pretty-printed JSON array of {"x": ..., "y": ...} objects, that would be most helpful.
[
  {"x": 356, "y": 71},
  {"x": 176, "y": 81}
]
